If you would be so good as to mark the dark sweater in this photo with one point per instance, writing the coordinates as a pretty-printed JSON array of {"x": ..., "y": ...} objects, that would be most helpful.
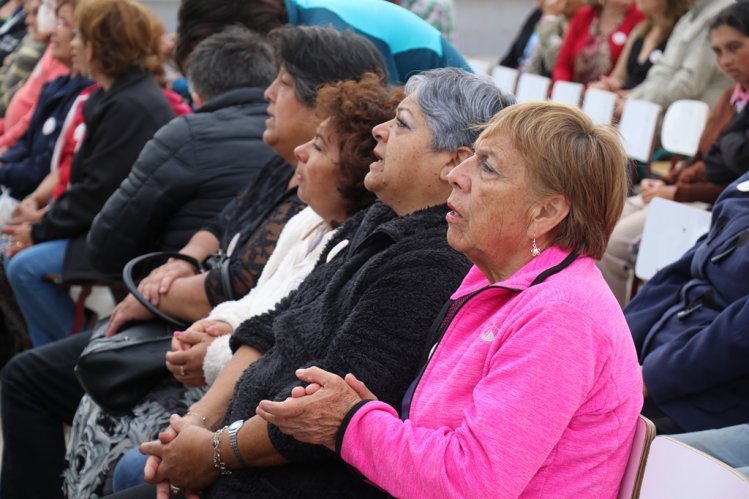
[
  {"x": 368, "y": 312},
  {"x": 191, "y": 169}
]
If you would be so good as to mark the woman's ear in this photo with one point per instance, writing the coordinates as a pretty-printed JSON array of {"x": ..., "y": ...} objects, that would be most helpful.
[
  {"x": 456, "y": 158},
  {"x": 547, "y": 214}
]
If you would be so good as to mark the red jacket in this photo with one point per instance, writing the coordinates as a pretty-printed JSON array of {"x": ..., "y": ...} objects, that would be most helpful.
[{"x": 578, "y": 34}]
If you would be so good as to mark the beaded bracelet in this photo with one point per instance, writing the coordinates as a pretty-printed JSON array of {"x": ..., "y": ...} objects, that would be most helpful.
[{"x": 218, "y": 463}]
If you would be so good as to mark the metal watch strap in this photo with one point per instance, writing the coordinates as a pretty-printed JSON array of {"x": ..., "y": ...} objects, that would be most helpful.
[{"x": 233, "y": 431}]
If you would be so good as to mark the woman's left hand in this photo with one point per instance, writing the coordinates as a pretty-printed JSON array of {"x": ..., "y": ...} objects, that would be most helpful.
[
  {"x": 20, "y": 240},
  {"x": 185, "y": 360},
  {"x": 184, "y": 460},
  {"x": 313, "y": 414}
]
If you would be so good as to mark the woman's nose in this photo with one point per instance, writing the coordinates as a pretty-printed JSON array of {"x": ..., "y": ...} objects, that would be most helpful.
[
  {"x": 459, "y": 177},
  {"x": 270, "y": 92},
  {"x": 301, "y": 153},
  {"x": 380, "y": 132}
]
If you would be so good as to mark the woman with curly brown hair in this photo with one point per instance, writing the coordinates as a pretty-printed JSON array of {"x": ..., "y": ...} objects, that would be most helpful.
[{"x": 117, "y": 45}]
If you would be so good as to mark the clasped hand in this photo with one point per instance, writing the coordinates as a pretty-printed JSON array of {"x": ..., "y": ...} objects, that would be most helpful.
[
  {"x": 182, "y": 456},
  {"x": 314, "y": 413}
]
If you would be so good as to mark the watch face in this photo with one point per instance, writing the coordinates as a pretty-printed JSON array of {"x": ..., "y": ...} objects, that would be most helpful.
[{"x": 236, "y": 424}]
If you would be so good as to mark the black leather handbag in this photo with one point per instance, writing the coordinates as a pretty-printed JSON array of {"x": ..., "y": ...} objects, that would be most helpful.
[{"x": 118, "y": 371}]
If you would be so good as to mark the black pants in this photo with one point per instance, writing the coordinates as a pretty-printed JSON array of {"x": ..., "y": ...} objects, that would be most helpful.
[{"x": 39, "y": 393}]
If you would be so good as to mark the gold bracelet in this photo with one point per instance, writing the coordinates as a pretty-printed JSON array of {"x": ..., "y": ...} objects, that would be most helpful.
[{"x": 202, "y": 418}]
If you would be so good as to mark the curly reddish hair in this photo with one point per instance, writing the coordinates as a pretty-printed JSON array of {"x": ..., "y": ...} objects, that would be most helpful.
[{"x": 353, "y": 109}]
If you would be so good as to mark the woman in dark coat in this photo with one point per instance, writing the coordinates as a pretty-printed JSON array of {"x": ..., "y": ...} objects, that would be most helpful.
[{"x": 117, "y": 44}]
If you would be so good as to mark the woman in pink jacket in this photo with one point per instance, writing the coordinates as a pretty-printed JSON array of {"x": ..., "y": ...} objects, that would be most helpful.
[{"x": 532, "y": 387}]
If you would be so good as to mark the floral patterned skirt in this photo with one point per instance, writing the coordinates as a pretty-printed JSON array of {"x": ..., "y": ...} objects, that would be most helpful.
[{"x": 98, "y": 439}]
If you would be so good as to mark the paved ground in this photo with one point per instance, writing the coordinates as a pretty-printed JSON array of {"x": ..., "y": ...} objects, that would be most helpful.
[{"x": 485, "y": 28}]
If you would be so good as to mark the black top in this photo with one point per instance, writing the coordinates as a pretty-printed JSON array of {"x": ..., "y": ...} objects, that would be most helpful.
[
  {"x": 118, "y": 124},
  {"x": 368, "y": 312},
  {"x": 512, "y": 59},
  {"x": 637, "y": 72}
]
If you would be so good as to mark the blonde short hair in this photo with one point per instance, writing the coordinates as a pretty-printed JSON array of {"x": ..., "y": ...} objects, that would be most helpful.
[{"x": 567, "y": 154}]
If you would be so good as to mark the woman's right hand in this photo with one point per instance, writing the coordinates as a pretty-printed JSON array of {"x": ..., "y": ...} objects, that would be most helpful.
[
  {"x": 128, "y": 310},
  {"x": 189, "y": 348},
  {"x": 160, "y": 279}
]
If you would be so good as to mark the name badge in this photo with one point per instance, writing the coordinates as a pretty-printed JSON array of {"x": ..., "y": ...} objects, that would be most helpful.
[
  {"x": 49, "y": 126},
  {"x": 743, "y": 186},
  {"x": 619, "y": 38}
]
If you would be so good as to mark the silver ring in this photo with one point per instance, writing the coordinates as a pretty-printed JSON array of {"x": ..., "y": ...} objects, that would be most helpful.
[
  {"x": 182, "y": 370},
  {"x": 175, "y": 490}
]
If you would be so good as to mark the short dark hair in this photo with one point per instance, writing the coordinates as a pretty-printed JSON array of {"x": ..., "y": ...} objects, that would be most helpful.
[
  {"x": 315, "y": 56},
  {"x": 734, "y": 16},
  {"x": 199, "y": 19},
  {"x": 353, "y": 109},
  {"x": 233, "y": 58}
]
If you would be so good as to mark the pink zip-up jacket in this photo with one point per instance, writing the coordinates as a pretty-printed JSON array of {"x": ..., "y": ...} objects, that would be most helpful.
[{"x": 533, "y": 391}]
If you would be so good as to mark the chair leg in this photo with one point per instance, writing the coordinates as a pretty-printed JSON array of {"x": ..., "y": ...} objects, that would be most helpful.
[{"x": 80, "y": 308}]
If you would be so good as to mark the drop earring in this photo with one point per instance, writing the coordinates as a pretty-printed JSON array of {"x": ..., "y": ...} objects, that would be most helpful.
[{"x": 534, "y": 249}]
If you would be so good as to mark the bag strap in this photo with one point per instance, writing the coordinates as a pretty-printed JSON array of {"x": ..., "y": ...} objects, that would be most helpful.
[{"x": 132, "y": 286}]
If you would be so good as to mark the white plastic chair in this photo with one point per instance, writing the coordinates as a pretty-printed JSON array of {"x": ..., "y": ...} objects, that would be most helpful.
[
  {"x": 532, "y": 88},
  {"x": 670, "y": 230},
  {"x": 505, "y": 78},
  {"x": 567, "y": 92},
  {"x": 637, "y": 127},
  {"x": 480, "y": 67},
  {"x": 683, "y": 125},
  {"x": 599, "y": 105},
  {"x": 674, "y": 469},
  {"x": 638, "y": 456}
]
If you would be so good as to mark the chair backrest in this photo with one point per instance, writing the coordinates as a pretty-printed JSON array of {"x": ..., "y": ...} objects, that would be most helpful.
[
  {"x": 683, "y": 125},
  {"x": 505, "y": 78},
  {"x": 674, "y": 469},
  {"x": 637, "y": 127},
  {"x": 599, "y": 105},
  {"x": 638, "y": 456},
  {"x": 532, "y": 87},
  {"x": 479, "y": 66},
  {"x": 567, "y": 92},
  {"x": 670, "y": 230}
]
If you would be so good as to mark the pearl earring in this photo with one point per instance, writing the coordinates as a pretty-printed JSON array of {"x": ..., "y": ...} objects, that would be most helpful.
[{"x": 534, "y": 249}]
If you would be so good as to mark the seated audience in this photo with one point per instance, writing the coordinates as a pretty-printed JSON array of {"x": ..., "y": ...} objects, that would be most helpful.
[
  {"x": 531, "y": 338},
  {"x": 13, "y": 29},
  {"x": 40, "y": 387},
  {"x": 116, "y": 42},
  {"x": 21, "y": 106},
  {"x": 408, "y": 44},
  {"x": 723, "y": 153},
  {"x": 24, "y": 166},
  {"x": 689, "y": 326},
  {"x": 520, "y": 50},
  {"x": 18, "y": 65},
  {"x": 439, "y": 13},
  {"x": 197, "y": 163},
  {"x": 645, "y": 45},
  {"x": 356, "y": 311},
  {"x": 595, "y": 39},
  {"x": 730, "y": 445},
  {"x": 688, "y": 69},
  {"x": 330, "y": 173},
  {"x": 550, "y": 32}
]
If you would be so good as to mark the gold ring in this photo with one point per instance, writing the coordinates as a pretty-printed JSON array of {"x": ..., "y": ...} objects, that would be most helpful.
[{"x": 182, "y": 370}]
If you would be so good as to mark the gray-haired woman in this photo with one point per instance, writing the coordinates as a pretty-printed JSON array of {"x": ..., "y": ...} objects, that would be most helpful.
[{"x": 369, "y": 309}]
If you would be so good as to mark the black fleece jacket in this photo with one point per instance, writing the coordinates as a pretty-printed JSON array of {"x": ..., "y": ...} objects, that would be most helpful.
[{"x": 367, "y": 311}]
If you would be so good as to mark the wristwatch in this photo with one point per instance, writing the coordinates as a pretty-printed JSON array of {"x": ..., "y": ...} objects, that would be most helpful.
[{"x": 233, "y": 430}]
